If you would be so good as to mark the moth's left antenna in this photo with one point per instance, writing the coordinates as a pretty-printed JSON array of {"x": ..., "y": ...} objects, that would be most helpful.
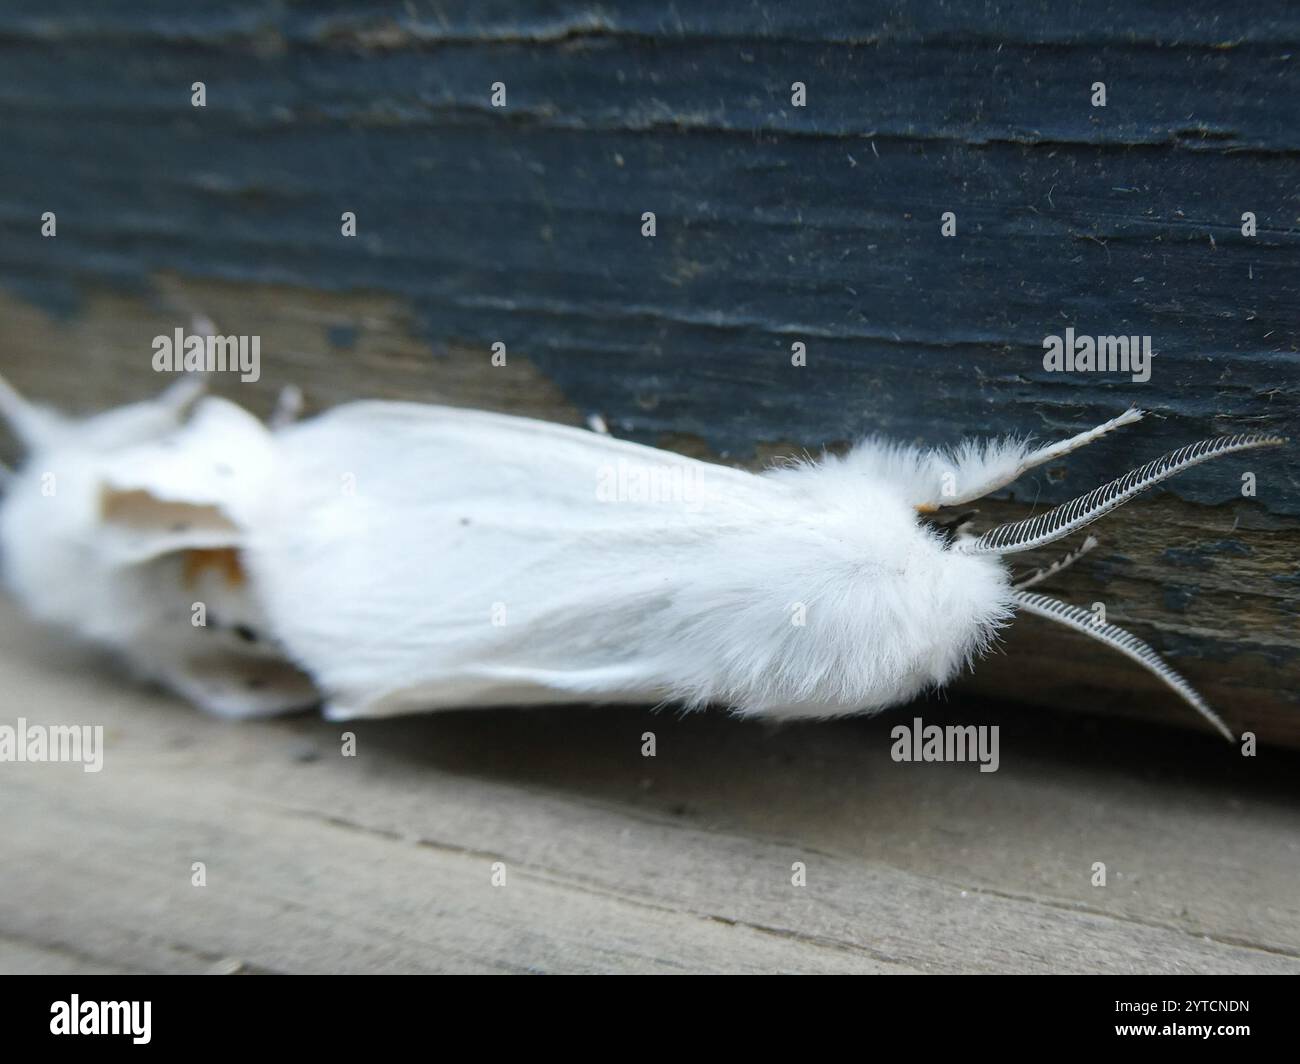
[{"x": 1125, "y": 642}]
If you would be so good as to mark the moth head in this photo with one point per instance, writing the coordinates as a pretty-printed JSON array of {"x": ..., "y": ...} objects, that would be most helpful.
[
  {"x": 948, "y": 527},
  {"x": 1078, "y": 513}
]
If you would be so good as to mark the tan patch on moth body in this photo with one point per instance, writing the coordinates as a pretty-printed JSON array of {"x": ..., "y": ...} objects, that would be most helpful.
[
  {"x": 142, "y": 510},
  {"x": 225, "y": 560}
]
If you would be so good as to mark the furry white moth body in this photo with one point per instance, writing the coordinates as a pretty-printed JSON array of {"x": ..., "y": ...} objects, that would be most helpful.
[
  {"x": 409, "y": 557},
  {"x": 486, "y": 559}
]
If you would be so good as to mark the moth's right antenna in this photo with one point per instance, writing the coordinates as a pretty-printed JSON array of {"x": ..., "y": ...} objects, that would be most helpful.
[
  {"x": 1078, "y": 513},
  {"x": 1125, "y": 642}
]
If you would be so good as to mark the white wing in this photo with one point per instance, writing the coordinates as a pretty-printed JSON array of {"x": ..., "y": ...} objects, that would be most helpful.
[{"x": 417, "y": 557}]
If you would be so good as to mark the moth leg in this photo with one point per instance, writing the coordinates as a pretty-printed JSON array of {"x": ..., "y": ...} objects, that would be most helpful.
[
  {"x": 288, "y": 407},
  {"x": 180, "y": 396},
  {"x": 1064, "y": 562},
  {"x": 1000, "y": 479},
  {"x": 238, "y": 687},
  {"x": 32, "y": 425}
]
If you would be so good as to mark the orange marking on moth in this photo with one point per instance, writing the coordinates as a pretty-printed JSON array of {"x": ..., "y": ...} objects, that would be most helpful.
[{"x": 224, "y": 559}]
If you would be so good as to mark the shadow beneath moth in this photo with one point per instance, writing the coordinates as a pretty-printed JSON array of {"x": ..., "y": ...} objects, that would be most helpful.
[{"x": 389, "y": 557}]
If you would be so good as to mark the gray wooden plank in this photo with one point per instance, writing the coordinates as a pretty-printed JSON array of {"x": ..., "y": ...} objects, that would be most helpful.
[
  {"x": 317, "y": 862},
  {"x": 22, "y": 957}
]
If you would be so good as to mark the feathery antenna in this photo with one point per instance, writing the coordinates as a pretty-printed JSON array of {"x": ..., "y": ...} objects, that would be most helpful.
[
  {"x": 1125, "y": 642},
  {"x": 1083, "y": 511},
  {"x": 1064, "y": 562}
]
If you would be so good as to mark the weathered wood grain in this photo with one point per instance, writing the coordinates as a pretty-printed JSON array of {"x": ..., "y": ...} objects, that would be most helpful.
[
  {"x": 614, "y": 862},
  {"x": 776, "y": 224}
]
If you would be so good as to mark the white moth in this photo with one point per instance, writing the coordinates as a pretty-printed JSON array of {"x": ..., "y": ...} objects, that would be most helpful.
[{"x": 410, "y": 557}]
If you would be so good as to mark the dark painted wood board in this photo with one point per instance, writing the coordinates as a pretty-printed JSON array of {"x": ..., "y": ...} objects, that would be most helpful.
[{"x": 776, "y": 224}]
